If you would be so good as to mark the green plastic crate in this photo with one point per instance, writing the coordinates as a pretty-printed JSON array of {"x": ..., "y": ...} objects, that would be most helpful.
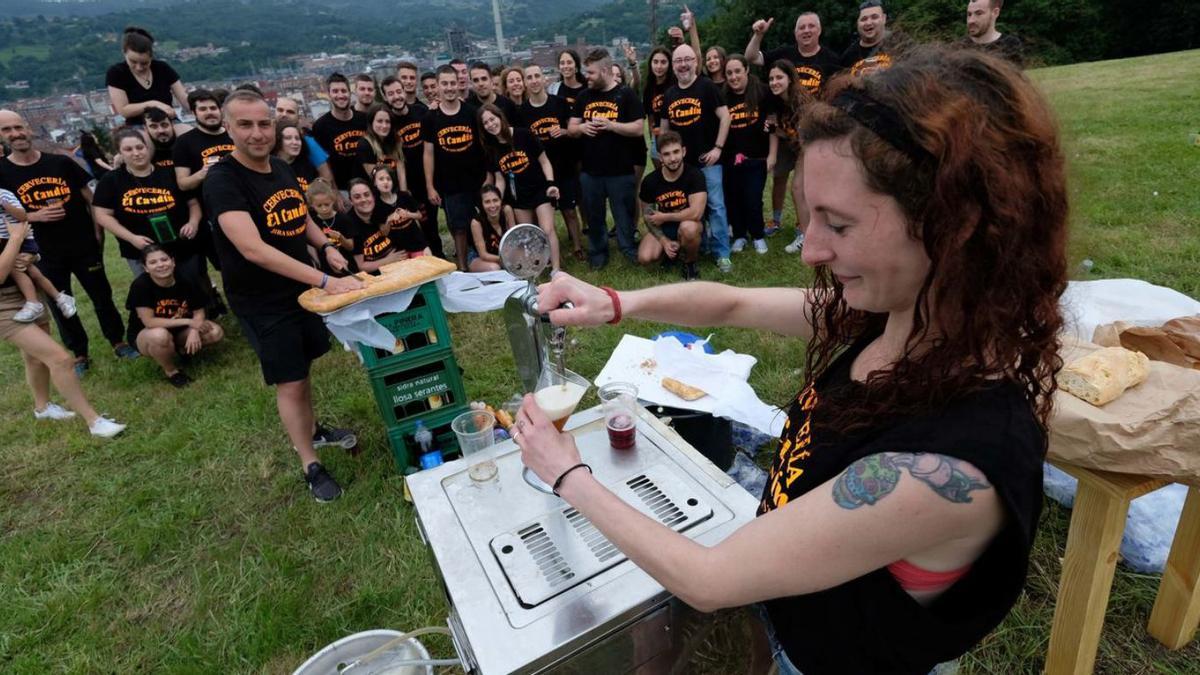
[
  {"x": 405, "y": 449},
  {"x": 421, "y": 329},
  {"x": 406, "y": 390}
]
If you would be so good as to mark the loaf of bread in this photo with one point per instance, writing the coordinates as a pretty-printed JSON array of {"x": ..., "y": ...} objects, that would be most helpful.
[
  {"x": 393, "y": 277},
  {"x": 683, "y": 391},
  {"x": 1104, "y": 374}
]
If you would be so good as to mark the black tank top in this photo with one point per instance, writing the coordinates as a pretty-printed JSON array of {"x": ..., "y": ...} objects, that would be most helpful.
[{"x": 869, "y": 624}]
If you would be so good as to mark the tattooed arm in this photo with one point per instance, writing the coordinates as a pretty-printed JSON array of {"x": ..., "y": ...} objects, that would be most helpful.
[{"x": 935, "y": 511}]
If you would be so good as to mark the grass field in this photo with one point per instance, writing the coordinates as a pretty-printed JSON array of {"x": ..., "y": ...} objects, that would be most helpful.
[{"x": 191, "y": 545}]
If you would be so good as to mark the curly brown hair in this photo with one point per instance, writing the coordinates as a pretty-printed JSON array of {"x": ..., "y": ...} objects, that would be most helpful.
[{"x": 989, "y": 205}]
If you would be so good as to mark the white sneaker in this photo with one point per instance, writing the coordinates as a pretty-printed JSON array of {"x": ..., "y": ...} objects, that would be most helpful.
[
  {"x": 29, "y": 312},
  {"x": 53, "y": 411},
  {"x": 66, "y": 304},
  {"x": 739, "y": 245},
  {"x": 796, "y": 245},
  {"x": 105, "y": 428},
  {"x": 760, "y": 246}
]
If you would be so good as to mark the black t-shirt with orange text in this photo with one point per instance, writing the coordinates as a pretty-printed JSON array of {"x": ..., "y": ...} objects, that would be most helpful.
[
  {"x": 563, "y": 152},
  {"x": 277, "y": 207},
  {"x": 608, "y": 153},
  {"x": 671, "y": 196},
  {"x": 458, "y": 164},
  {"x": 196, "y": 148},
  {"x": 340, "y": 139},
  {"x": 141, "y": 204},
  {"x": 407, "y": 128},
  {"x": 860, "y": 60},
  {"x": 54, "y": 179},
  {"x": 813, "y": 71},
  {"x": 178, "y": 301},
  {"x": 524, "y": 179},
  {"x": 748, "y": 137},
  {"x": 692, "y": 113}
]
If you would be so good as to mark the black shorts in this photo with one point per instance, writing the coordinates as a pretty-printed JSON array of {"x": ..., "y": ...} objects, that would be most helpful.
[
  {"x": 286, "y": 344},
  {"x": 530, "y": 202},
  {"x": 460, "y": 209},
  {"x": 568, "y": 191}
]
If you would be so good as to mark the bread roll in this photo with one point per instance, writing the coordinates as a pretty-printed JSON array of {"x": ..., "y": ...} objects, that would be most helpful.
[
  {"x": 683, "y": 391},
  {"x": 1104, "y": 374},
  {"x": 393, "y": 277}
]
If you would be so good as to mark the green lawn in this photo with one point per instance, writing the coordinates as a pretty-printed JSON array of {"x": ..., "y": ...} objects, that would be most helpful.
[
  {"x": 7, "y": 54},
  {"x": 191, "y": 545}
]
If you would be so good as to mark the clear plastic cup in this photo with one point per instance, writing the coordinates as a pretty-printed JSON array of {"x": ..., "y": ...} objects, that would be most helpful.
[
  {"x": 474, "y": 430},
  {"x": 619, "y": 400}
]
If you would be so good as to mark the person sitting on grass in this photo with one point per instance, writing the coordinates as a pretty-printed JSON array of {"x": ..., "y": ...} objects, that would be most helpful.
[
  {"x": 382, "y": 235},
  {"x": 166, "y": 315},
  {"x": 487, "y": 227},
  {"x": 45, "y": 360},
  {"x": 675, "y": 199},
  {"x": 895, "y": 527},
  {"x": 29, "y": 279}
]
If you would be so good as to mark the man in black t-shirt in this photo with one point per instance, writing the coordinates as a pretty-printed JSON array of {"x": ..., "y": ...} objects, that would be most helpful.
[
  {"x": 406, "y": 73},
  {"x": 263, "y": 235},
  {"x": 161, "y": 131},
  {"x": 453, "y": 161},
  {"x": 429, "y": 88},
  {"x": 483, "y": 91},
  {"x": 406, "y": 125},
  {"x": 869, "y": 52},
  {"x": 982, "y": 34},
  {"x": 53, "y": 191},
  {"x": 675, "y": 199},
  {"x": 814, "y": 64},
  {"x": 695, "y": 109},
  {"x": 364, "y": 92},
  {"x": 605, "y": 117},
  {"x": 339, "y": 130}
]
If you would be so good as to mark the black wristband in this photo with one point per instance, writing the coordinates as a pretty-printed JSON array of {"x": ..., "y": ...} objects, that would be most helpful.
[{"x": 558, "y": 483}]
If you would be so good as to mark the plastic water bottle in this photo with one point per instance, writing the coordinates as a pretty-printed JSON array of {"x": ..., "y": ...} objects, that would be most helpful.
[
  {"x": 423, "y": 437},
  {"x": 1086, "y": 266}
]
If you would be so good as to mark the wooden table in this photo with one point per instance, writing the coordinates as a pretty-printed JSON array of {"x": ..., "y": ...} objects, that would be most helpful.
[{"x": 1093, "y": 542}]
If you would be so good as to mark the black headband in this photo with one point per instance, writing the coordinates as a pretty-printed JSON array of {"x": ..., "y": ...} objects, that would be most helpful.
[{"x": 881, "y": 119}]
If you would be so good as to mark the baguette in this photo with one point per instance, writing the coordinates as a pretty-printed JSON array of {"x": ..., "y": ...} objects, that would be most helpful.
[
  {"x": 393, "y": 277},
  {"x": 683, "y": 391},
  {"x": 1104, "y": 374}
]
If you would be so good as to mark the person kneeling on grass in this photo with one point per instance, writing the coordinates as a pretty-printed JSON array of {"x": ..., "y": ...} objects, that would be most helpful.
[
  {"x": 27, "y": 277},
  {"x": 675, "y": 196},
  {"x": 491, "y": 221},
  {"x": 166, "y": 315},
  {"x": 45, "y": 360}
]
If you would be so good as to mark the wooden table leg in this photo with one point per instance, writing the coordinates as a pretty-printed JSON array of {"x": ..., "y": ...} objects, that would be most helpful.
[
  {"x": 1176, "y": 611},
  {"x": 1093, "y": 543}
]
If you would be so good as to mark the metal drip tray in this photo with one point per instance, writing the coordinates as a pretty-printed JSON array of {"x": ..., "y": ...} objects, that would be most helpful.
[{"x": 562, "y": 549}]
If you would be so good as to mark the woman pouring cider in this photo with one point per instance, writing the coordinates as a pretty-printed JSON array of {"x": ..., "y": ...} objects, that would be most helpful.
[{"x": 895, "y": 527}]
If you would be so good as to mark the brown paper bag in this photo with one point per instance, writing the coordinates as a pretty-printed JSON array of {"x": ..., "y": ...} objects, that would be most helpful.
[
  {"x": 1151, "y": 429},
  {"x": 1176, "y": 342}
]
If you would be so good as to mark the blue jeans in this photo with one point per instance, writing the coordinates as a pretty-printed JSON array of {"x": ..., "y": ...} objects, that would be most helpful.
[
  {"x": 718, "y": 221},
  {"x": 618, "y": 190},
  {"x": 744, "y": 185}
]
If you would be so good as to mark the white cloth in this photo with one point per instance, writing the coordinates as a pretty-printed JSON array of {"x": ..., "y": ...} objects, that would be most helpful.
[
  {"x": 1088, "y": 304},
  {"x": 459, "y": 292},
  {"x": 722, "y": 376}
]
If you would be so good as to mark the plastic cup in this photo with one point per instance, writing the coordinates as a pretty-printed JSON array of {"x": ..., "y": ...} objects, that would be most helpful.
[
  {"x": 619, "y": 401},
  {"x": 474, "y": 431}
]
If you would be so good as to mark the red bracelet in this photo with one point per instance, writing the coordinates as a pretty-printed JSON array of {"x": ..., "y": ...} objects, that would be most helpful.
[{"x": 616, "y": 301}]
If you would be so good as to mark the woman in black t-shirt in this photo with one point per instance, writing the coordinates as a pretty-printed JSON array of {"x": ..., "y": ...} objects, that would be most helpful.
[
  {"x": 493, "y": 219},
  {"x": 289, "y": 146},
  {"x": 570, "y": 77},
  {"x": 141, "y": 81},
  {"x": 715, "y": 59},
  {"x": 382, "y": 235},
  {"x": 749, "y": 154},
  {"x": 661, "y": 78},
  {"x": 898, "y": 516},
  {"x": 141, "y": 204},
  {"x": 166, "y": 314},
  {"x": 380, "y": 146},
  {"x": 523, "y": 173},
  {"x": 782, "y": 107}
]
